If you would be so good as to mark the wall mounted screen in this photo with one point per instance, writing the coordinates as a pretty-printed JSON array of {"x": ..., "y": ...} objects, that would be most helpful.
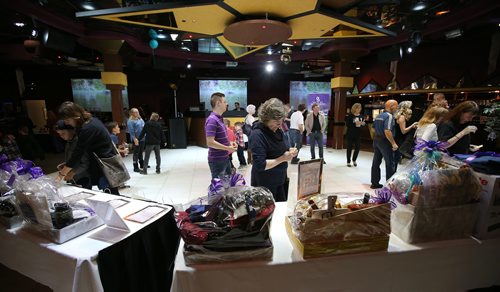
[
  {"x": 234, "y": 90},
  {"x": 93, "y": 95}
]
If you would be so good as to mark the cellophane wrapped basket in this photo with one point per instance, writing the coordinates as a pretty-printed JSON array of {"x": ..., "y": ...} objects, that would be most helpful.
[
  {"x": 435, "y": 196},
  {"x": 230, "y": 224}
]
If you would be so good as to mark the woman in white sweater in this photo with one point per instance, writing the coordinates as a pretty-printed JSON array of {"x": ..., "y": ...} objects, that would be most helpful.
[{"x": 427, "y": 126}]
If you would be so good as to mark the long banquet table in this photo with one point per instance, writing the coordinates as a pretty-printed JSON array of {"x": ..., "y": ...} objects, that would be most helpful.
[
  {"x": 455, "y": 265},
  {"x": 142, "y": 261}
]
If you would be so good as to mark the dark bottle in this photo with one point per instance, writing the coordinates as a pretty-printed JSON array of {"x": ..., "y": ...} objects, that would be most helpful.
[{"x": 63, "y": 215}]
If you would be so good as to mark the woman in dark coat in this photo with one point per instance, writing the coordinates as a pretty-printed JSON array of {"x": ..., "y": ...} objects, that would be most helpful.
[
  {"x": 93, "y": 137},
  {"x": 154, "y": 139},
  {"x": 269, "y": 151}
]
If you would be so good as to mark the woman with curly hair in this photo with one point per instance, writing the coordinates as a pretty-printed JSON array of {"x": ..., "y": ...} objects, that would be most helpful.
[{"x": 269, "y": 151}]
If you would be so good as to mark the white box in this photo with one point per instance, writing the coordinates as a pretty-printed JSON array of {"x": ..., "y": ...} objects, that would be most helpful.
[{"x": 488, "y": 222}]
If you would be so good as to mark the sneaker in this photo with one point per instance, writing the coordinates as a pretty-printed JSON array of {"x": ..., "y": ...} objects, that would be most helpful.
[
  {"x": 354, "y": 163},
  {"x": 377, "y": 186},
  {"x": 348, "y": 164}
]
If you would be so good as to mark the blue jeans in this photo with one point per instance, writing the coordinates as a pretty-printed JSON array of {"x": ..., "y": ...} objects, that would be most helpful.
[
  {"x": 314, "y": 137},
  {"x": 219, "y": 167},
  {"x": 382, "y": 149},
  {"x": 295, "y": 138}
]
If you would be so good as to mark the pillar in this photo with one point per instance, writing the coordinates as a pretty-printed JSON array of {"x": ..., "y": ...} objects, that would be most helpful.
[
  {"x": 340, "y": 85},
  {"x": 115, "y": 81}
]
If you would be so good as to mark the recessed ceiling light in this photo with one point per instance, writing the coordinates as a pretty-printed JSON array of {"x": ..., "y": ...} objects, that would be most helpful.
[
  {"x": 269, "y": 52},
  {"x": 269, "y": 68}
]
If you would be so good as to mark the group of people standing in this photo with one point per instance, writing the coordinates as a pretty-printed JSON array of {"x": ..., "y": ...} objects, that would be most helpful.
[
  {"x": 88, "y": 139},
  {"x": 270, "y": 148},
  {"x": 438, "y": 123}
]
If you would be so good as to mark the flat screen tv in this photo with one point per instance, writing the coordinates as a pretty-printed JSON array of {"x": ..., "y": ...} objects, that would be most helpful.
[
  {"x": 234, "y": 90},
  {"x": 93, "y": 95}
]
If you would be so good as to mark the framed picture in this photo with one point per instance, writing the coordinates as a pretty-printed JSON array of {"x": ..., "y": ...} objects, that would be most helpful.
[{"x": 309, "y": 178}]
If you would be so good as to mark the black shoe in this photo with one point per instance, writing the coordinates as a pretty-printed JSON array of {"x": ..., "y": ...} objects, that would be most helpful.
[
  {"x": 144, "y": 172},
  {"x": 355, "y": 164},
  {"x": 348, "y": 164},
  {"x": 377, "y": 186},
  {"x": 157, "y": 170}
]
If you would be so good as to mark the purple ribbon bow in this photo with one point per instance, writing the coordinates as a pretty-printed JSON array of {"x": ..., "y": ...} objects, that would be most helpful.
[
  {"x": 385, "y": 194},
  {"x": 217, "y": 184},
  {"x": 430, "y": 146}
]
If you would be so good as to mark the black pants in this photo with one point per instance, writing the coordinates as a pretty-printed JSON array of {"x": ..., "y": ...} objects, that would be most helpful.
[
  {"x": 137, "y": 155},
  {"x": 241, "y": 156},
  {"x": 352, "y": 143}
]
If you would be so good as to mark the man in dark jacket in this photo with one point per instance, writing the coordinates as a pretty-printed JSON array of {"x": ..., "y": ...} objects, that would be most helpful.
[{"x": 154, "y": 139}]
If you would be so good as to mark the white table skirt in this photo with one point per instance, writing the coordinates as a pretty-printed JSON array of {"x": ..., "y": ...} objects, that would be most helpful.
[
  {"x": 438, "y": 266},
  {"x": 70, "y": 266}
]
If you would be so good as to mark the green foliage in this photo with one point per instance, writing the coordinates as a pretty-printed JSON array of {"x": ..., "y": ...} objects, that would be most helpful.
[{"x": 493, "y": 122}]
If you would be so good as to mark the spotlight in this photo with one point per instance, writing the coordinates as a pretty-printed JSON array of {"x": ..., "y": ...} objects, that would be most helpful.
[
  {"x": 409, "y": 50},
  {"x": 269, "y": 68},
  {"x": 188, "y": 65},
  {"x": 419, "y": 5},
  {"x": 88, "y": 5}
]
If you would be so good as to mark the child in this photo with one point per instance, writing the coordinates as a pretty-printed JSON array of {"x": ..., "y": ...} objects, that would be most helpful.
[
  {"x": 232, "y": 138},
  {"x": 238, "y": 130}
]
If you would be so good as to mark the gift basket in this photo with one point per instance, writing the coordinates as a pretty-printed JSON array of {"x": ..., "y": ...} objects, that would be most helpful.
[
  {"x": 230, "y": 224},
  {"x": 33, "y": 197},
  {"x": 340, "y": 223},
  {"x": 335, "y": 223},
  {"x": 435, "y": 196}
]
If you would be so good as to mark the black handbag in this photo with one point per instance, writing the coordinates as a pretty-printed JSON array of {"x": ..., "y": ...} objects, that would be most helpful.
[{"x": 114, "y": 169}]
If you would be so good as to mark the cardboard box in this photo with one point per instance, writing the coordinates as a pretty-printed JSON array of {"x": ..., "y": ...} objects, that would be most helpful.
[
  {"x": 422, "y": 224},
  {"x": 358, "y": 231},
  {"x": 488, "y": 222}
]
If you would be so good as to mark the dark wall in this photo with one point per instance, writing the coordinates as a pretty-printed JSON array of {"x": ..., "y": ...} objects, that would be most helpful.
[{"x": 449, "y": 61}]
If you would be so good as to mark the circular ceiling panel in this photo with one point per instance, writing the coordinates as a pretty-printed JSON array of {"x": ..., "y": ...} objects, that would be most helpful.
[{"x": 257, "y": 32}]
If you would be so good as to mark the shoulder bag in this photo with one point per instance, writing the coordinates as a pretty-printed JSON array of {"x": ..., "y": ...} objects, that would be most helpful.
[{"x": 114, "y": 169}]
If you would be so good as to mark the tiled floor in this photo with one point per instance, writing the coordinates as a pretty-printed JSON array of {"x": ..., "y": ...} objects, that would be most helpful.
[{"x": 185, "y": 175}]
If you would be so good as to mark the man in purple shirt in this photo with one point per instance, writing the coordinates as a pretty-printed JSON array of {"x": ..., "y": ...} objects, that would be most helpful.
[{"x": 219, "y": 147}]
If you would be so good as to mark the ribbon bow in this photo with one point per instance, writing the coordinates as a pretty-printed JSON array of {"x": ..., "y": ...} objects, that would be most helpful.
[
  {"x": 385, "y": 194},
  {"x": 430, "y": 146},
  {"x": 218, "y": 185}
]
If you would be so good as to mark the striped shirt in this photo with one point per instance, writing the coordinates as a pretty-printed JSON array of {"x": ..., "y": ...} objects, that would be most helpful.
[
  {"x": 214, "y": 127},
  {"x": 382, "y": 122}
]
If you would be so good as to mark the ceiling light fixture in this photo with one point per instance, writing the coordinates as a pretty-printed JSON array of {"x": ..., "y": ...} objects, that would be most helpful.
[
  {"x": 419, "y": 5},
  {"x": 269, "y": 68},
  {"x": 174, "y": 36},
  {"x": 257, "y": 32},
  {"x": 88, "y": 5},
  {"x": 442, "y": 12},
  {"x": 188, "y": 65},
  {"x": 161, "y": 36},
  {"x": 409, "y": 50},
  {"x": 34, "y": 33}
]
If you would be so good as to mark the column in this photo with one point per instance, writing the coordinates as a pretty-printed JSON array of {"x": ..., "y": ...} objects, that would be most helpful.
[
  {"x": 115, "y": 81},
  {"x": 340, "y": 85}
]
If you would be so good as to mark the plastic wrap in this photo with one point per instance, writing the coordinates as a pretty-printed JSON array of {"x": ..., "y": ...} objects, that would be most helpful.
[
  {"x": 354, "y": 225},
  {"x": 367, "y": 222},
  {"x": 229, "y": 225},
  {"x": 435, "y": 196},
  {"x": 434, "y": 179}
]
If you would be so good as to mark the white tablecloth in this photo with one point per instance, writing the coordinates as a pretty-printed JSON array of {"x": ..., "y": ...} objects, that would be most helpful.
[
  {"x": 439, "y": 266},
  {"x": 70, "y": 266}
]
